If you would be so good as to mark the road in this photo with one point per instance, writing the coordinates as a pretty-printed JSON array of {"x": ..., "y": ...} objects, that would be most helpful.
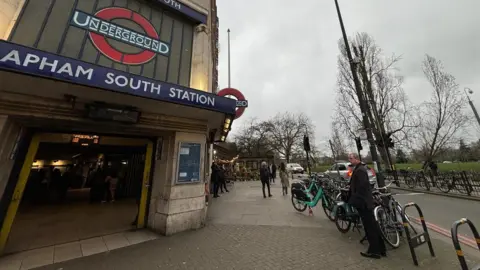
[{"x": 442, "y": 211}]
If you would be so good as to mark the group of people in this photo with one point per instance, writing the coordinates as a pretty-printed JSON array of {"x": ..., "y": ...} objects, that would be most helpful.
[
  {"x": 268, "y": 175},
  {"x": 218, "y": 178}
]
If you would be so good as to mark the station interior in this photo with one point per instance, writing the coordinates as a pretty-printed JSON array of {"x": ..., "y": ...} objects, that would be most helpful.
[{"x": 67, "y": 198}]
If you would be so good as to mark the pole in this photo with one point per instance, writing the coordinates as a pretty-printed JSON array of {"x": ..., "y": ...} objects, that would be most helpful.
[
  {"x": 471, "y": 105},
  {"x": 308, "y": 164},
  {"x": 375, "y": 116},
  {"x": 229, "y": 81},
  {"x": 361, "y": 100}
]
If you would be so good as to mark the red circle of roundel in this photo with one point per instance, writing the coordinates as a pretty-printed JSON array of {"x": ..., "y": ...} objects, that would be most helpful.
[
  {"x": 106, "y": 49},
  {"x": 234, "y": 92}
]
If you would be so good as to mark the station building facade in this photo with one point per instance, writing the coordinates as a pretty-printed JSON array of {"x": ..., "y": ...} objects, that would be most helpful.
[{"x": 93, "y": 78}]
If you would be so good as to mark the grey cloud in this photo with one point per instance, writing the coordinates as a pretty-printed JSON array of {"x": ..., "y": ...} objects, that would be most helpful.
[{"x": 284, "y": 52}]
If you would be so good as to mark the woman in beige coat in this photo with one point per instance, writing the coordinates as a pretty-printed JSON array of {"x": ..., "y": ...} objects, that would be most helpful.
[{"x": 284, "y": 179}]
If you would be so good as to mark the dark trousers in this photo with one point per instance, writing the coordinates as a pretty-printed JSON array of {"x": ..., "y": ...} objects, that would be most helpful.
[
  {"x": 266, "y": 183},
  {"x": 372, "y": 232},
  {"x": 273, "y": 176},
  {"x": 216, "y": 186},
  {"x": 223, "y": 186},
  {"x": 285, "y": 190}
]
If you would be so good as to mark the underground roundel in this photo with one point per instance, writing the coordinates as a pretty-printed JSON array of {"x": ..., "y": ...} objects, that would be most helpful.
[
  {"x": 101, "y": 27},
  {"x": 242, "y": 103}
]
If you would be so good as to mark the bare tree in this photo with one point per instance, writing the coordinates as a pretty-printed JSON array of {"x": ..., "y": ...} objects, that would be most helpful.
[
  {"x": 443, "y": 116},
  {"x": 339, "y": 147},
  {"x": 382, "y": 86},
  {"x": 286, "y": 132},
  {"x": 252, "y": 140}
]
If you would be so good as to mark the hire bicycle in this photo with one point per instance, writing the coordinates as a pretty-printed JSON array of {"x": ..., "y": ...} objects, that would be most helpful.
[{"x": 308, "y": 193}]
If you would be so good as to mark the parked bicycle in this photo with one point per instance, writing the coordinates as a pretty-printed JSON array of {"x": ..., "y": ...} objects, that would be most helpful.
[
  {"x": 388, "y": 214},
  {"x": 308, "y": 193}
]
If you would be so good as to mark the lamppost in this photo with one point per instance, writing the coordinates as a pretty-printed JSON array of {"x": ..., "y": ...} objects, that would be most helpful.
[
  {"x": 361, "y": 100},
  {"x": 468, "y": 92}
]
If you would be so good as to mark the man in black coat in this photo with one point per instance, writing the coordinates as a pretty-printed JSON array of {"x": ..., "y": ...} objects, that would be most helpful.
[
  {"x": 273, "y": 172},
  {"x": 265, "y": 178},
  {"x": 362, "y": 199}
]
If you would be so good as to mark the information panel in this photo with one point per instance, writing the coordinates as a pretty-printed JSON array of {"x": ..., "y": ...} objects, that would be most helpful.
[{"x": 189, "y": 155}]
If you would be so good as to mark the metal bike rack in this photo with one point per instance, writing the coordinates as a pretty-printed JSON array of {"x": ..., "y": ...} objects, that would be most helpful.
[
  {"x": 420, "y": 238},
  {"x": 456, "y": 243}
]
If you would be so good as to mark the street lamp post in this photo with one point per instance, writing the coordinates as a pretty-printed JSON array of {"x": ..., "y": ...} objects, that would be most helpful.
[
  {"x": 467, "y": 92},
  {"x": 361, "y": 99}
]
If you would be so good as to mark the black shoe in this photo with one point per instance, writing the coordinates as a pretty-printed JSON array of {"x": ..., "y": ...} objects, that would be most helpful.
[
  {"x": 384, "y": 254},
  {"x": 270, "y": 195},
  {"x": 370, "y": 255},
  {"x": 227, "y": 191},
  {"x": 264, "y": 196}
]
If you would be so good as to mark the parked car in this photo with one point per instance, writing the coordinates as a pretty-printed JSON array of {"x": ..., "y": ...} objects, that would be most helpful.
[
  {"x": 345, "y": 169},
  {"x": 295, "y": 168}
]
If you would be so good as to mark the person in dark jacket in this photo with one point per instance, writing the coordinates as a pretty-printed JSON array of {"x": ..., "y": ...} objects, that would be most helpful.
[
  {"x": 265, "y": 178},
  {"x": 362, "y": 199},
  {"x": 273, "y": 171},
  {"x": 215, "y": 179},
  {"x": 222, "y": 179}
]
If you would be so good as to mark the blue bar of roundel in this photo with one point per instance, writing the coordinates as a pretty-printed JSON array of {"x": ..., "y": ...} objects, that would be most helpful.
[
  {"x": 98, "y": 80},
  {"x": 186, "y": 10}
]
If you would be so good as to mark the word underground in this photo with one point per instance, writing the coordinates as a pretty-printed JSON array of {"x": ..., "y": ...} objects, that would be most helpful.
[
  {"x": 112, "y": 80},
  {"x": 99, "y": 26}
]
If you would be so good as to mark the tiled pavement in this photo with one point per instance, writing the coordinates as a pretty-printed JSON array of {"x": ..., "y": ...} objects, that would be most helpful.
[{"x": 246, "y": 231}]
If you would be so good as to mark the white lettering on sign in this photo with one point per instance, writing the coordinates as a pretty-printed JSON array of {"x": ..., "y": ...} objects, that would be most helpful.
[
  {"x": 133, "y": 83},
  {"x": 108, "y": 29},
  {"x": 191, "y": 96},
  {"x": 45, "y": 64},
  {"x": 173, "y": 4}
]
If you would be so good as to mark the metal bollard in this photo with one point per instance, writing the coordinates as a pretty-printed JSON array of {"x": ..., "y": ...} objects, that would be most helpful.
[
  {"x": 420, "y": 238},
  {"x": 456, "y": 243}
]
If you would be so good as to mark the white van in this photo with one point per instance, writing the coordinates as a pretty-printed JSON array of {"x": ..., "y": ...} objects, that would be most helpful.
[{"x": 295, "y": 168}]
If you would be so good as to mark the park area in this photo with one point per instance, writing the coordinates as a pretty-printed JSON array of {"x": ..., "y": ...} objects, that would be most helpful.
[{"x": 457, "y": 166}]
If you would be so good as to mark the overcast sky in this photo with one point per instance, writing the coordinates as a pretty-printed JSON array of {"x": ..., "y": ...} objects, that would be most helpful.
[{"x": 284, "y": 52}]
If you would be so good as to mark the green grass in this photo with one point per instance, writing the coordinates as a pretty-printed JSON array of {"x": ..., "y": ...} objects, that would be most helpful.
[{"x": 466, "y": 166}]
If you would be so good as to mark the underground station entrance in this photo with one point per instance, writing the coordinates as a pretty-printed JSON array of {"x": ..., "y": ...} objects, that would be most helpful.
[{"x": 78, "y": 187}]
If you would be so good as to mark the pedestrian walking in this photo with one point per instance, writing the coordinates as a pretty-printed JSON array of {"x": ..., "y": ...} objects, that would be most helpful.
[
  {"x": 265, "y": 178},
  {"x": 284, "y": 179},
  {"x": 362, "y": 199},
  {"x": 273, "y": 171}
]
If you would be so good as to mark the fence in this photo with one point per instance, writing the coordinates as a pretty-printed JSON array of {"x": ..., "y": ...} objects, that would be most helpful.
[{"x": 457, "y": 182}]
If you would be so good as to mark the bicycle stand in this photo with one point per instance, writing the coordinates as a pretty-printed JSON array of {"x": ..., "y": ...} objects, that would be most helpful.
[
  {"x": 456, "y": 243},
  {"x": 420, "y": 238}
]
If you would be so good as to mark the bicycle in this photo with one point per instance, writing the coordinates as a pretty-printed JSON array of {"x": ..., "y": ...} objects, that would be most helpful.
[
  {"x": 418, "y": 178},
  {"x": 388, "y": 215},
  {"x": 308, "y": 193}
]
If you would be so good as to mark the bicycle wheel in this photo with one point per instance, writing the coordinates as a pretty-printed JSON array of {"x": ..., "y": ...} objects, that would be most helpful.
[
  {"x": 343, "y": 225},
  {"x": 410, "y": 182},
  {"x": 388, "y": 226},
  {"x": 327, "y": 205},
  {"x": 443, "y": 184},
  {"x": 299, "y": 205}
]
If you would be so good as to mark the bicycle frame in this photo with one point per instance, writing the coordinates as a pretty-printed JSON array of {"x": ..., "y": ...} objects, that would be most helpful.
[{"x": 314, "y": 201}]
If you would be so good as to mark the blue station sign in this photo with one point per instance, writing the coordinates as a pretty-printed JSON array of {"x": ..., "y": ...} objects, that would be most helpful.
[
  {"x": 185, "y": 10},
  {"x": 17, "y": 58}
]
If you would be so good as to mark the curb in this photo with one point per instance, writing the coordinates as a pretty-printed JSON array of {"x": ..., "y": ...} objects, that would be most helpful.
[
  {"x": 470, "y": 198},
  {"x": 462, "y": 239}
]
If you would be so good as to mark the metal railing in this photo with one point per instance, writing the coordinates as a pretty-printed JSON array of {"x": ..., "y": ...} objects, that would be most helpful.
[{"x": 465, "y": 183}]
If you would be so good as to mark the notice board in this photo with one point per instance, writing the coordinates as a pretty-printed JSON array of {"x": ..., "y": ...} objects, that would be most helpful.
[{"x": 188, "y": 169}]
